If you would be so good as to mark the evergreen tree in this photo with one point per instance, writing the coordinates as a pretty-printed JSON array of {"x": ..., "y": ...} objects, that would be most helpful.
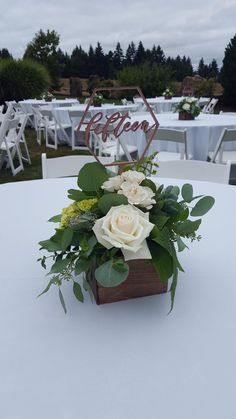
[
  {"x": 5, "y": 54},
  {"x": 158, "y": 55},
  {"x": 79, "y": 63},
  {"x": 202, "y": 68},
  {"x": 118, "y": 57},
  {"x": 213, "y": 69},
  {"x": 228, "y": 73},
  {"x": 140, "y": 55},
  {"x": 130, "y": 54}
]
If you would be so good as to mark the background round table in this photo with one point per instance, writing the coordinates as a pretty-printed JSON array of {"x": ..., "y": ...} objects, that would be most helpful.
[
  {"x": 124, "y": 360},
  {"x": 202, "y": 133}
]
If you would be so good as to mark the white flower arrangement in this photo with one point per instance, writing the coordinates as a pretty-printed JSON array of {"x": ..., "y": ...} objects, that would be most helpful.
[
  {"x": 188, "y": 105},
  {"x": 167, "y": 93},
  {"x": 114, "y": 219}
]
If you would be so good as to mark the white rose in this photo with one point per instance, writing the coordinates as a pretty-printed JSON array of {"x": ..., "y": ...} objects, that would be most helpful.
[
  {"x": 112, "y": 184},
  {"x": 186, "y": 107},
  {"x": 126, "y": 228},
  {"x": 132, "y": 176},
  {"x": 137, "y": 195}
]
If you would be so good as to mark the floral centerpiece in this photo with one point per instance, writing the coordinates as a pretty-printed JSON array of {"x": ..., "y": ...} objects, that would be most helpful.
[
  {"x": 119, "y": 228},
  {"x": 97, "y": 99},
  {"x": 167, "y": 94},
  {"x": 188, "y": 108},
  {"x": 48, "y": 96}
]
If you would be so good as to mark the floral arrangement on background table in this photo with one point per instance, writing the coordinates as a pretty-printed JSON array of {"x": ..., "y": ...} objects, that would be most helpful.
[
  {"x": 97, "y": 99},
  {"x": 188, "y": 109},
  {"x": 48, "y": 96},
  {"x": 119, "y": 227},
  {"x": 167, "y": 94}
]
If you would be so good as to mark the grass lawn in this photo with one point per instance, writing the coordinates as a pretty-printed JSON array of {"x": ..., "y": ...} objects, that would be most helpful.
[{"x": 34, "y": 171}]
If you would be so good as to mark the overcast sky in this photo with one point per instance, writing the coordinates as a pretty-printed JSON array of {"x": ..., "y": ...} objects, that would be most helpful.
[{"x": 195, "y": 28}]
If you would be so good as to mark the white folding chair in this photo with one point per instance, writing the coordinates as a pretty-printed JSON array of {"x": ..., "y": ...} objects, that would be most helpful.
[
  {"x": 53, "y": 127},
  {"x": 22, "y": 140},
  {"x": 176, "y": 137},
  {"x": 219, "y": 154},
  {"x": 195, "y": 170},
  {"x": 67, "y": 165},
  {"x": 209, "y": 108},
  {"x": 114, "y": 147},
  {"x": 9, "y": 145},
  {"x": 77, "y": 138}
]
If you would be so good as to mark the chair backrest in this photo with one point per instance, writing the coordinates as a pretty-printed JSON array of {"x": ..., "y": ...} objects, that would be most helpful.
[
  {"x": 195, "y": 170},
  {"x": 173, "y": 135},
  {"x": 209, "y": 108},
  {"x": 67, "y": 165},
  {"x": 226, "y": 136}
]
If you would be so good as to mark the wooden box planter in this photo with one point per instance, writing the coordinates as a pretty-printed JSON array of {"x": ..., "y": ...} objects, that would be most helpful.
[
  {"x": 142, "y": 281},
  {"x": 185, "y": 116}
]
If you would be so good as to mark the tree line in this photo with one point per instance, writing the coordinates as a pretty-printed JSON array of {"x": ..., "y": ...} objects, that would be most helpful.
[
  {"x": 45, "y": 49},
  {"x": 135, "y": 60}
]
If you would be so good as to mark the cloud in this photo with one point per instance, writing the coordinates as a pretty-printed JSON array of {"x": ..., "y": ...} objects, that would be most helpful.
[{"x": 195, "y": 29}]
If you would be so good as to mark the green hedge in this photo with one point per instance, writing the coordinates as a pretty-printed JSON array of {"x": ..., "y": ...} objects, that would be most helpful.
[
  {"x": 22, "y": 79},
  {"x": 151, "y": 78}
]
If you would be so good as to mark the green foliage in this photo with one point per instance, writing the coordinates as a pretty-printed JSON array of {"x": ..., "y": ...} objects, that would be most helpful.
[
  {"x": 22, "y": 79},
  {"x": 92, "y": 176},
  {"x": 77, "y": 249},
  {"x": 206, "y": 88},
  {"x": 112, "y": 273},
  {"x": 228, "y": 72},
  {"x": 44, "y": 49},
  {"x": 151, "y": 78},
  {"x": 188, "y": 105}
]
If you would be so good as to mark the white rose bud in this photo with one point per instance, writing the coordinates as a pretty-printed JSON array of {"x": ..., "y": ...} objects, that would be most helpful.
[
  {"x": 125, "y": 228},
  {"x": 112, "y": 184},
  {"x": 186, "y": 107},
  {"x": 137, "y": 195},
  {"x": 132, "y": 176}
]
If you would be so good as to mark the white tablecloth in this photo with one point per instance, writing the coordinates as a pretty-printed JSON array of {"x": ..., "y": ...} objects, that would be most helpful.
[
  {"x": 167, "y": 105},
  {"x": 28, "y": 103},
  {"x": 202, "y": 133},
  {"x": 124, "y": 360}
]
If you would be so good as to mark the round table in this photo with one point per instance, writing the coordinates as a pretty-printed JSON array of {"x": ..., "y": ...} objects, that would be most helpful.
[
  {"x": 123, "y": 360},
  {"x": 202, "y": 133},
  {"x": 161, "y": 104}
]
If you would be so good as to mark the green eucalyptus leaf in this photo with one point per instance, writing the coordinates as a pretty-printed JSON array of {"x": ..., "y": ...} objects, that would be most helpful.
[
  {"x": 187, "y": 192},
  {"x": 181, "y": 245},
  {"x": 62, "y": 300},
  {"x": 111, "y": 200},
  {"x": 51, "y": 282},
  {"x": 82, "y": 265},
  {"x": 59, "y": 266},
  {"x": 186, "y": 227},
  {"x": 55, "y": 219},
  {"x": 202, "y": 206},
  {"x": 76, "y": 195},
  {"x": 78, "y": 291},
  {"x": 161, "y": 260},
  {"x": 50, "y": 245},
  {"x": 150, "y": 184},
  {"x": 107, "y": 276},
  {"x": 159, "y": 221},
  {"x": 92, "y": 176},
  {"x": 173, "y": 288},
  {"x": 163, "y": 239},
  {"x": 175, "y": 190},
  {"x": 66, "y": 239}
]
